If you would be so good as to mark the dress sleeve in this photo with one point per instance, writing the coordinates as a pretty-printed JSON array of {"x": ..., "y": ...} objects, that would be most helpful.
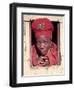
[
  {"x": 54, "y": 55},
  {"x": 33, "y": 59}
]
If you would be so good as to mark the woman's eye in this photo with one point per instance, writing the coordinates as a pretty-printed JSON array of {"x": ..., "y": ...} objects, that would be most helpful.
[
  {"x": 38, "y": 42},
  {"x": 45, "y": 42}
]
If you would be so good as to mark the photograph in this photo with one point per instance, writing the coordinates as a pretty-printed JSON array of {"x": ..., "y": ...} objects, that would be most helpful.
[{"x": 40, "y": 45}]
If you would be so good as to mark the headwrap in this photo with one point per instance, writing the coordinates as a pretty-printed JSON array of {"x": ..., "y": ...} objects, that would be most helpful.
[{"x": 42, "y": 26}]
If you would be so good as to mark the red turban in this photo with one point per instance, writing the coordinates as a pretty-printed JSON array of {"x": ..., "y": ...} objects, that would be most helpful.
[{"x": 42, "y": 26}]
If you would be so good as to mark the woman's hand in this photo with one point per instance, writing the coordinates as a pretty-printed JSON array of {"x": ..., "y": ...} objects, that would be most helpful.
[{"x": 43, "y": 61}]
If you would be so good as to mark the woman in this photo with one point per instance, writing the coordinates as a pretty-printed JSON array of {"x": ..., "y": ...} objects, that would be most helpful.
[{"x": 44, "y": 52}]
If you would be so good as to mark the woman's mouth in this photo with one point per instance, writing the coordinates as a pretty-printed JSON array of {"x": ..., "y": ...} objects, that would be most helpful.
[{"x": 43, "y": 52}]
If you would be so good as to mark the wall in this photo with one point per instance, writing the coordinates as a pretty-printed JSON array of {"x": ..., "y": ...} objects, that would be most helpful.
[{"x": 4, "y": 43}]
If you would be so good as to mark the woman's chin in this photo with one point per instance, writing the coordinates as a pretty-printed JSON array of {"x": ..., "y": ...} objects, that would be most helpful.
[{"x": 43, "y": 54}]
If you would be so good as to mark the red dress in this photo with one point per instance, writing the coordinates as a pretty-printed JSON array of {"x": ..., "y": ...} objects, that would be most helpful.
[{"x": 52, "y": 54}]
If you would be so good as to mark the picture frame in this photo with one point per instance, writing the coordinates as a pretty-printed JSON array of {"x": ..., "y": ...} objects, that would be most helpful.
[{"x": 21, "y": 73}]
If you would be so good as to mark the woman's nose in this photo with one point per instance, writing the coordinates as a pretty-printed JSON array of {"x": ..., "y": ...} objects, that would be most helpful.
[{"x": 42, "y": 46}]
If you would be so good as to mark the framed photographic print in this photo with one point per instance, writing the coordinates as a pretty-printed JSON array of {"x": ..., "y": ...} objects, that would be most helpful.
[{"x": 40, "y": 44}]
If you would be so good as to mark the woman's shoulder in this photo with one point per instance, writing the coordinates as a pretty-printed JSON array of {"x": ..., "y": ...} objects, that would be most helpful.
[{"x": 54, "y": 46}]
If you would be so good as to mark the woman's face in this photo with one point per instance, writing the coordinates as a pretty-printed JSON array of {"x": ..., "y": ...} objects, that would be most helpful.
[{"x": 43, "y": 44}]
